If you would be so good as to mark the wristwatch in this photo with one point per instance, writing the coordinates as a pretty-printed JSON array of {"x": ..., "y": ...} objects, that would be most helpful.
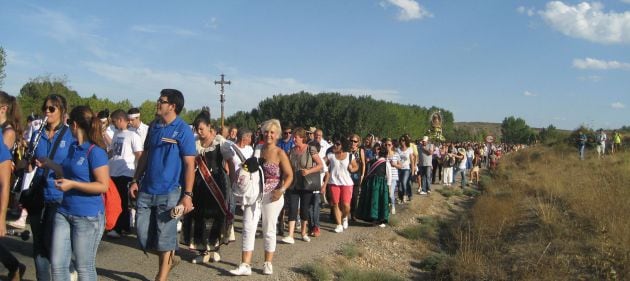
[{"x": 188, "y": 194}]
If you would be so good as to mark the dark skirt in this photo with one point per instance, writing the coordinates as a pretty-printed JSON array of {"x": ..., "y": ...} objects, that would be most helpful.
[{"x": 374, "y": 200}]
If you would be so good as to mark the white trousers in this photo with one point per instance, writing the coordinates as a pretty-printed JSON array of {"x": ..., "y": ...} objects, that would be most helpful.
[
  {"x": 251, "y": 215},
  {"x": 447, "y": 175}
]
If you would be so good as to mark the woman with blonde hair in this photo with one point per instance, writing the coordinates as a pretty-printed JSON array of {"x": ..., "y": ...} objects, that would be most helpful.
[{"x": 278, "y": 177}]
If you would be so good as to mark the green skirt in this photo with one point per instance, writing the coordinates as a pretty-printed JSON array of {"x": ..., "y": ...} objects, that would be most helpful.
[{"x": 374, "y": 200}]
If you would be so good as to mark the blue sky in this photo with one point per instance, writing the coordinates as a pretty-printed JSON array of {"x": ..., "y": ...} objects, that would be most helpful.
[{"x": 564, "y": 63}]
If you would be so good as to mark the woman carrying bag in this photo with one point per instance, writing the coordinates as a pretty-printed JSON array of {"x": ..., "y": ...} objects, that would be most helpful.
[{"x": 306, "y": 166}]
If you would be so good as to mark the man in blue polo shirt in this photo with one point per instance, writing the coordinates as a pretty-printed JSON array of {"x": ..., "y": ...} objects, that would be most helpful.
[{"x": 165, "y": 168}]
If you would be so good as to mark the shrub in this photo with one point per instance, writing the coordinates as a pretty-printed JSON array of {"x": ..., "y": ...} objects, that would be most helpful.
[
  {"x": 317, "y": 272},
  {"x": 350, "y": 250}
]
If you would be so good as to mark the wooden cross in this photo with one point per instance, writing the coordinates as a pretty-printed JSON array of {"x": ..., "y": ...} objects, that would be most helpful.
[{"x": 222, "y": 82}]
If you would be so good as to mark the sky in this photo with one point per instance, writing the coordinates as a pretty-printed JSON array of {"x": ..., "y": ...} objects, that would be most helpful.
[{"x": 565, "y": 63}]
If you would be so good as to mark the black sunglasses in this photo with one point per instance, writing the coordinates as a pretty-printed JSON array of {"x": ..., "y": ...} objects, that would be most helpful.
[
  {"x": 50, "y": 108},
  {"x": 161, "y": 101}
]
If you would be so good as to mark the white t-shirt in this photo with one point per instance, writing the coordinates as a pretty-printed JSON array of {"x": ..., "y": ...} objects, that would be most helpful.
[
  {"x": 247, "y": 152},
  {"x": 405, "y": 158},
  {"x": 123, "y": 161},
  {"x": 462, "y": 163},
  {"x": 339, "y": 173},
  {"x": 142, "y": 130}
]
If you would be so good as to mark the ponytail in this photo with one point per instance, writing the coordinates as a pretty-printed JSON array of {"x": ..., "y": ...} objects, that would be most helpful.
[
  {"x": 95, "y": 134},
  {"x": 90, "y": 124}
]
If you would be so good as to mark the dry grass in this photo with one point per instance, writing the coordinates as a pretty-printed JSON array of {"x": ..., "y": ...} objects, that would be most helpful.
[{"x": 545, "y": 215}]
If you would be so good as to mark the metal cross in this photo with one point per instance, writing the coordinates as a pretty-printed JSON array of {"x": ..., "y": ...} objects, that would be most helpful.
[{"x": 222, "y": 82}]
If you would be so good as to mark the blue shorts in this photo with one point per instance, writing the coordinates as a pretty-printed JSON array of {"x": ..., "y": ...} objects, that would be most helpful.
[{"x": 155, "y": 227}]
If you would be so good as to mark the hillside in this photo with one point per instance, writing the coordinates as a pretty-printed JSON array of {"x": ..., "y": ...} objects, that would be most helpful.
[{"x": 493, "y": 129}]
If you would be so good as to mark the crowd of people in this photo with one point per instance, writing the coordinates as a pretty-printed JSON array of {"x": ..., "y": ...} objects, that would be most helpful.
[{"x": 174, "y": 177}]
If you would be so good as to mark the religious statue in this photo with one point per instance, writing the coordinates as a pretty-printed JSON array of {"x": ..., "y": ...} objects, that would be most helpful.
[{"x": 436, "y": 127}]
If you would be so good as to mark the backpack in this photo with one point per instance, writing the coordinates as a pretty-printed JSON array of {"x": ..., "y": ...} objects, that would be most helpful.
[
  {"x": 249, "y": 178},
  {"x": 111, "y": 201}
]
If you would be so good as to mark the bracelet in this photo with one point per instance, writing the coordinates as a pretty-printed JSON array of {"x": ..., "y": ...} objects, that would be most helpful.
[{"x": 188, "y": 193}]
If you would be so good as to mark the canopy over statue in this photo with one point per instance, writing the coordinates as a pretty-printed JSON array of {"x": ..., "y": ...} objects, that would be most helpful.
[{"x": 435, "y": 133}]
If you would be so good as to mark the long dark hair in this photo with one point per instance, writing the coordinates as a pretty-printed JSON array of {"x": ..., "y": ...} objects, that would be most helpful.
[
  {"x": 89, "y": 123},
  {"x": 14, "y": 114}
]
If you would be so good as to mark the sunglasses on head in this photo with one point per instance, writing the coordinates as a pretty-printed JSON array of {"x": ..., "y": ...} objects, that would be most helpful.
[{"x": 49, "y": 108}]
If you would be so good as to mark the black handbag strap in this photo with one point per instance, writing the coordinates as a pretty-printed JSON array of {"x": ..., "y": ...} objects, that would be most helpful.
[{"x": 54, "y": 149}]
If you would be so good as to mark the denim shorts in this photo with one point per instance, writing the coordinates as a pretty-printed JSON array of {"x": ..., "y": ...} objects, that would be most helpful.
[{"x": 155, "y": 227}]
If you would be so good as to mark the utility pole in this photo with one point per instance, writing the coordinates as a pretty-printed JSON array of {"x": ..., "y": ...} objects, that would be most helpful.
[{"x": 222, "y": 82}]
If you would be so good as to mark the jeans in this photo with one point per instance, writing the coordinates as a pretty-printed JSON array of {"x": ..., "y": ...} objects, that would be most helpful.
[
  {"x": 79, "y": 237},
  {"x": 425, "y": 173},
  {"x": 403, "y": 183},
  {"x": 314, "y": 209},
  {"x": 392, "y": 193},
  {"x": 463, "y": 173},
  {"x": 42, "y": 223},
  {"x": 154, "y": 224}
]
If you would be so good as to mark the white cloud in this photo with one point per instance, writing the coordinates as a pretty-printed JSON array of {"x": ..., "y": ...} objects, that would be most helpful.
[
  {"x": 69, "y": 31},
  {"x": 588, "y": 21},
  {"x": 153, "y": 28},
  {"x": 617, "y": 105},
  {"x": 529, "y": 94},
  {"x": 141, "y": 83},
  {"x": 590, "y": 63},
  {"x": 409, "y": 9},
  {"x": 591, "y": 78},
  {"x": 527, "y": 11},
  {"x": 213, "y": 23},
  {"x": 626, "y": 1}
]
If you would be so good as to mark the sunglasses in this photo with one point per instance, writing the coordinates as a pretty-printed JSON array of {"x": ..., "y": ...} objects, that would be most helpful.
[
  {"x": 161, "y": 101},
  {"x": 49, "y": 108}
]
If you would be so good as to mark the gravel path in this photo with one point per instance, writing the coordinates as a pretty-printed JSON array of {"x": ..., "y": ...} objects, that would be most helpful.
[{"x": 381, "y": 248}]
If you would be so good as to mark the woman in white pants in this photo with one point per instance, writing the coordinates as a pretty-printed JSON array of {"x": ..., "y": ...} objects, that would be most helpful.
[{"x": 278, "y": 178}]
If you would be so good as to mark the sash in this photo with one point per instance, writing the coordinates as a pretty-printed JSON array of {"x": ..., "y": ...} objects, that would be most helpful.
[
  {"x": 374, "y": 166},
  {"x": 213, "y": 188}
]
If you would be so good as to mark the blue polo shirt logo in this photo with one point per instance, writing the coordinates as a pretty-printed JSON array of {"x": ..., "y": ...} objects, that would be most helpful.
[
  {"x": 62, "y": 144},
  {"x": 80, "y": 161},
  {"x": 175, "y": 134}
]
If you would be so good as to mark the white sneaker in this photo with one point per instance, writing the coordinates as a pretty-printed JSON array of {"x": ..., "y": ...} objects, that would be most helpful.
[
  {"x": 423, "y": 193},
  {"x": 19, "y": 224},
  {"x": 215, "y": 257},
  {"x": 306, "y": 238},
  {"x": 382, "y": 225},
  {"x": 267, "y": 268},
  {"x": 393, "y": 210},
  {"x": 288, "y": 240},
  {"x": 203, "y": 258},
  {"x": 113, "y": 234},
  {"x": 232, "y": 236},
  {"x": 345, "y": 223},
  {"x": 242, "y": 269},
  {"x": 339, "y": 229}
]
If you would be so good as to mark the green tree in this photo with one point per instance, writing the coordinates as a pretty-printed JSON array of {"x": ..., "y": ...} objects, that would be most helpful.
[
  {"x": 515, "y": 130},
  {"x": 3, "y": 63}
]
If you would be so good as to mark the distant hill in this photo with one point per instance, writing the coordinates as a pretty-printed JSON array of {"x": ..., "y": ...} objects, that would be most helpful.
[{"x": 492, "y": 128}]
